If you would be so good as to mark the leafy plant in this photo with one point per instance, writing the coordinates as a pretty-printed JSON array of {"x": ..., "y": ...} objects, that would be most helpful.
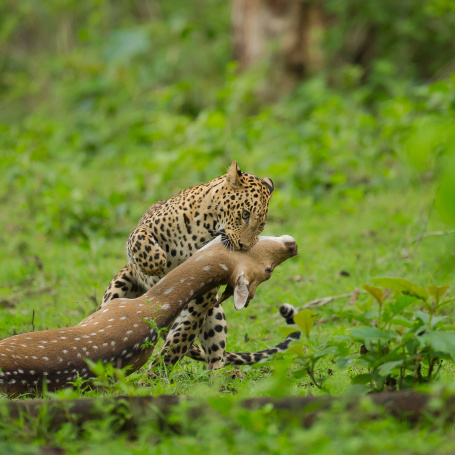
[{"x": 402, "y": 334}]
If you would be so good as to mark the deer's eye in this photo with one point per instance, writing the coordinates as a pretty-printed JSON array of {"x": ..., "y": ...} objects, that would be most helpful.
[{"x": 245, "y": 214}]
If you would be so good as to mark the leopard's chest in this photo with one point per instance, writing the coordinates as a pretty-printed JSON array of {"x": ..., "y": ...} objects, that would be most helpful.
[{"x": 181, "y": 233}]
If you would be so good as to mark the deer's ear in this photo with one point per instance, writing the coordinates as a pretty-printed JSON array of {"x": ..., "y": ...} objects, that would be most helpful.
[
  {"x": 241, "y": 291},
  {"x": 233, "y": 175}
]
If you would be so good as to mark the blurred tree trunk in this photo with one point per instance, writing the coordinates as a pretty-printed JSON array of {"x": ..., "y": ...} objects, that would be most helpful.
[{"x": 286, "y": 32}]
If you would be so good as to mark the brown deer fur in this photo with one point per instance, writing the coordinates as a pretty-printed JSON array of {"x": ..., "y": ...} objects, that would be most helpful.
[{"x": 124, "y": 333}]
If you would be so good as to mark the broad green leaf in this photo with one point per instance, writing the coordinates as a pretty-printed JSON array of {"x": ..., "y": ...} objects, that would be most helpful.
[
  {"x": 377, "y": 293},
  {"x": 369, "y": 334},
  {"x": 438, "y": 292},
  {"x": 364, "y": 378},
  {"x": 326, "y": 351},
  {"x": 297, "y": 349},
  {"x": 441, "y": 341},
  {"x": 399, "y": 320},
  {"x": 356, "y": 390},
  {"x": 287, "y": 330},
  {"x": 425, "y": 318},
  {"x": 305, "y": 320},
  {"x": 386, "y": 368},
  {"x": 402, "y": 285},
  {"x": 343, "y": 362},
  {"x": 399, "y": 305}
]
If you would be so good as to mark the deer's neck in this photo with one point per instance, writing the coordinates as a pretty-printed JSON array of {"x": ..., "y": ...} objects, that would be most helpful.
[{"x": 204, "y": 271}]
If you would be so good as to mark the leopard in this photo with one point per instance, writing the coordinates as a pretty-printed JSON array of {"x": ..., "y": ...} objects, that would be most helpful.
[{"x": 233, "y": 206}]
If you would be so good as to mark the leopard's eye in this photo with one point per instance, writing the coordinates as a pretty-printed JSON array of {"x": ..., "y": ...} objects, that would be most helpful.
[{"x": 245, "y": 214}]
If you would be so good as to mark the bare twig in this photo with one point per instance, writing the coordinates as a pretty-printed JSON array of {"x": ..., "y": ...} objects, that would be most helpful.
[
  {"x": 316, "y": 303},
  {"x": 430, "y": 234}
]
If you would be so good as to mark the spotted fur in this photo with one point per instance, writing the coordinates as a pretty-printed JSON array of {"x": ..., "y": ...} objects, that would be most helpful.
[
  {"x": 234, "y": 205},
  {"x": 248, "y": 358}
]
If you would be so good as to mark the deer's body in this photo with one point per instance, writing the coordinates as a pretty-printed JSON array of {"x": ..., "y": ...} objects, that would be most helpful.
[{"x": 124, "y": 333}]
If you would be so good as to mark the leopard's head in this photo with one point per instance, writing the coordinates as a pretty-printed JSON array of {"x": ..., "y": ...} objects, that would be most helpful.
[{"x": 241, "y": 207}]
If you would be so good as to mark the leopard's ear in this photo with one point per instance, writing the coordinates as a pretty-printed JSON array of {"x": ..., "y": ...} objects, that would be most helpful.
[
  {"x": 268, "y": 182},
  {"x": 233, "y": 175}
]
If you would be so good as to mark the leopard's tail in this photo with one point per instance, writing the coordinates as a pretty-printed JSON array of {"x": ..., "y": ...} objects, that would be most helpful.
[{"x": 288, "y": 312}]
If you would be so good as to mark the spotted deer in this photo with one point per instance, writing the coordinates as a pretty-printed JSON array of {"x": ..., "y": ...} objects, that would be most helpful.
[{"x": 124, "y": 333}]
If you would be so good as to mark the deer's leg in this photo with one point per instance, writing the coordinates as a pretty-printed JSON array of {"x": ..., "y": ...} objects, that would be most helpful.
[
  {"x": 123, "y": 285},
  {"x": 144, "y": 251}
]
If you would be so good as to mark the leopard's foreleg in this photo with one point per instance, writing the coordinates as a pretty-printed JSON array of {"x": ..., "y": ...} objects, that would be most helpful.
[{"x": 144, "y": 252}]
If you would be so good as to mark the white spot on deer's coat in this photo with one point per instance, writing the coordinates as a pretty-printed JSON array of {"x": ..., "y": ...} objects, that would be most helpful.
[
  {"x": 168, "y": 291},
  {"x": 123, "y": 318},
  {"x": 207, "y": 268},
  {"x": 224, "y": 267},
  {"x": 166, "y": 306}
]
